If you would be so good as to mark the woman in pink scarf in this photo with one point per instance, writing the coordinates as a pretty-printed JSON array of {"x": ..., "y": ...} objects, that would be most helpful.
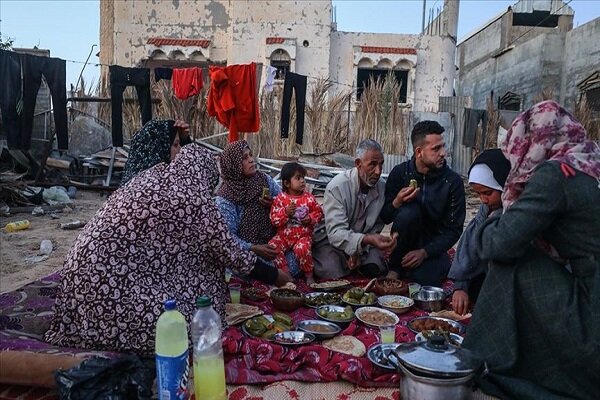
[{"x": 537, "y": 320}]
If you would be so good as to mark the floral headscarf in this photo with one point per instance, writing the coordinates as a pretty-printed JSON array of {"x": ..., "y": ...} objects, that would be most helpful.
[
  {"x": 546, "y": 132},
  {"x": 151, "y": 145},
  {"x": 255, "y": 224}
]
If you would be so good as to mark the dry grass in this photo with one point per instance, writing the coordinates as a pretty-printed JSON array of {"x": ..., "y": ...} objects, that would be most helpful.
[
  {"x": 493, "y": 123},
  {"x": 379, "y": 116},
  {"x": 585, "y": 115},
  {"x": 545, "y": 94}
]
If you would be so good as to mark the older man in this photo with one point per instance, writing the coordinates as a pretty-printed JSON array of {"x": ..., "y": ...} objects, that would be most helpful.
[
  {"x": 425, "y": 201},
  {"x": 350, "y": 237}
]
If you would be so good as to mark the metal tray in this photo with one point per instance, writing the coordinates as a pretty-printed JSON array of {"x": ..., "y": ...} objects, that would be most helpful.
[
  {"x": 302, "y": 325},
  {"x": 247, "y": 333},
  {"x": 334, "y": 308},
  {"x": 315, "y": 294},
  {"x": 293, "y": 338},
  {"x": 379, "y": 355},
  {"x": 377, "y": 309},
  {"x": 461, "y": 327}
]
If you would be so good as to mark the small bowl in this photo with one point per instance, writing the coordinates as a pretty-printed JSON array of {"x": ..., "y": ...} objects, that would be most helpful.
[
  {"x": 293, "y": 338},
  {"x": 317, "y": 328},
  {"x": 254, "y": 294},
  {"x": 429, "y": 299},
  {"x": 386, "y": 286},
  {"x": 287, "y": 299},
  {"x": 361, "y": 314},
  {"x": 330, "y": 307},
  {"x": 400, "y": 305},
  {"x": 310, "y": 299}
]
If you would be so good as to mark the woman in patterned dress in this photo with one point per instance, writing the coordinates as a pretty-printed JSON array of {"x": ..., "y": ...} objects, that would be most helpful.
[
  {"x": 158, "y": 141},
  {"x": 159, "y": 237},
  {"x": 537, "y": 319}
]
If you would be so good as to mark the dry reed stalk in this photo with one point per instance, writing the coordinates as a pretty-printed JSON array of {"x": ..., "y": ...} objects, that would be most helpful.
[
  {"x": 585, "y": 115},
  {"x": 545, "y": 94},
  {"x": 493, "y": 123}
]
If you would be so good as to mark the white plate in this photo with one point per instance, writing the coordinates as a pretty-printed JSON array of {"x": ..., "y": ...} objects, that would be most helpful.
[
  {"x": 359, "y": 313},
  {"x": 405, "y": 303}
]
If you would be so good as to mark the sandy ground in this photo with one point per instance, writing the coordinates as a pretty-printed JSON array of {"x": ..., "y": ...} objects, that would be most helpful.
[{"x": 15, "y": 247}]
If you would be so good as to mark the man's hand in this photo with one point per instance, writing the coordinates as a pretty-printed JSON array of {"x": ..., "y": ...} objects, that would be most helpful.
[
  {"x": 283, "y": 278},
  {"x": 265, "y": 251},
  {"x": 353, "y": 262},
  {"x": 460, "y": 302},
  {"x": 183, "y": 127},
  {"x": 266, "y": 202},
  {"x": 405, "y": 195},
  {"x": 291, "y": 209},
  {"x": 414, "y": 258},
  {"x": 381, "y": 242}
]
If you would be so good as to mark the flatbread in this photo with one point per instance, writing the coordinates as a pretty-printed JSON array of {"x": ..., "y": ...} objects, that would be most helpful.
[
  {"x": 346, "y": 345},
  {"x": 236, "y": 313},
  {"x": 330, "y": 284},
  {"x": 450, "y": 314}
]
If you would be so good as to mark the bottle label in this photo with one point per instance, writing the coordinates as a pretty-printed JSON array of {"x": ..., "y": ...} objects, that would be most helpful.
[{"x": 172, "y": 374}]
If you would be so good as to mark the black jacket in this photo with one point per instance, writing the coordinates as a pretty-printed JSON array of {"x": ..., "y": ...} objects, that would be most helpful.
[{"x": 442, "y": 200}]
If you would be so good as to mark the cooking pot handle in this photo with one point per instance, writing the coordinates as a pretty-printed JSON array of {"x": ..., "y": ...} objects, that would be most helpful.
[{"x": 395, "y": 363}]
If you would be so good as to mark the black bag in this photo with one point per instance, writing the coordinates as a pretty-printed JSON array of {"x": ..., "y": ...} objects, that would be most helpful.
[{"x": 123, "y": 378}]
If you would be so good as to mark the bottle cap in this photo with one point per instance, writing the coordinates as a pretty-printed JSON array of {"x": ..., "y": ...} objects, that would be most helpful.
[
  {"x": 203, "y": 301},
  {"x": 170, "y": 305}
]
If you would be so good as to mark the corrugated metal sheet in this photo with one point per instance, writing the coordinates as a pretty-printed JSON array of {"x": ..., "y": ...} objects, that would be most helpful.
[
  {"x": 391, "y": 160},
  {"x": 460, "y": 156}
]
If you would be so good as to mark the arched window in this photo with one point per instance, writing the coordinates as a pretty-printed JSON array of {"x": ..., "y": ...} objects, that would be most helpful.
[
  {"x": 197, "y": 56},
  {"x": 158, "y": 55},
  {"x": 367, "y": 71},
  {"x": 177, "y": 55},
  {"x": 281, "y": 60}
]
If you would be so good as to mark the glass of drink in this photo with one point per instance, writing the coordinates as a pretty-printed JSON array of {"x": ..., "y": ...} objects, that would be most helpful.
[
  {"x": 388, "y": 334},
  {"x": 234, "y": 292},
  {"x": 413, "y": 288},
  {"x": 227, "y": 275}
]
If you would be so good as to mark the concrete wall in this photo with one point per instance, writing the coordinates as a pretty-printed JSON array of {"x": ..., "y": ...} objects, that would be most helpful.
[
  {"x": 581, "y": 59},
  {"x": 435, "y": 71}
]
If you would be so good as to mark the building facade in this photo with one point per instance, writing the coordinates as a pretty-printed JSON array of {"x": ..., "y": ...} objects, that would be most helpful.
[{"x": 297, "y": 36}]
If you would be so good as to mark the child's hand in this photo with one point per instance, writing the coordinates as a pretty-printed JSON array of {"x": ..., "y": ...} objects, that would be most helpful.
[
  {"x": 290, "y": 210},
  {"x": 306, "y": 220}
]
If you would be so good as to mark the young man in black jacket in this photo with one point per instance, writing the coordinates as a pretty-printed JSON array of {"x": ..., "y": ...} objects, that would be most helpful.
[{"x": 428, "y": 217}]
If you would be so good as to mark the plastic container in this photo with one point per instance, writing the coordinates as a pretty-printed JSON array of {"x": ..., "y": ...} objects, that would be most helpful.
[
  {"x": 17, "y": 225},
  {"x": 209, "y": 368},
  {"x": 172, "y": 356},
  {"x": 46, "y": 247}
]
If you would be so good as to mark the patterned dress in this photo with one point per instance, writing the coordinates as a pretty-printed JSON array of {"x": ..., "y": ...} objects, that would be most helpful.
[{"x": 159, "y": 237}]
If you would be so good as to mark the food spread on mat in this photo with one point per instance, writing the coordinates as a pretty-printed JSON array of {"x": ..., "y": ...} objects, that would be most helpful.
[
  {"x": 319, "y": 328},
  {"x": 266, "y": 328},
  {"x": 431, "y": 324},
  {"x": 320, "y": 299},
  {"x": 376, "y": 317},
  {"x": 397, "y": 302},
  {"x": 293, "y": 338}
]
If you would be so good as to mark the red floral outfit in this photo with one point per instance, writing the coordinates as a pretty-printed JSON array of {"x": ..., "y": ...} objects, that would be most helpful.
[{"x": 291, "y": 233}]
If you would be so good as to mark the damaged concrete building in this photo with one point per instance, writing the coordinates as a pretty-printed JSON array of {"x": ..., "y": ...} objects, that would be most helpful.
[
  {"x": 527, "y": 49},
  {"x": 298, "y": 36}
]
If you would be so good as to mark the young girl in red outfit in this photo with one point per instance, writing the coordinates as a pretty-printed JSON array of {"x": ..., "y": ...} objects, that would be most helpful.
[{"x": 295, "y": 213}]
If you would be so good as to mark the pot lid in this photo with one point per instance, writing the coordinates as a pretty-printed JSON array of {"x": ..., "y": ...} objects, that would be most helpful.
[{"x": 436, "y": 357}]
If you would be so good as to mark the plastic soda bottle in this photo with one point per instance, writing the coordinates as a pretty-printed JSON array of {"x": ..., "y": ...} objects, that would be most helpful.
[
  {"x": 209, "y": 368},
  {"x": 172, "y": 356},
  {"x": 17, "y": 225}
]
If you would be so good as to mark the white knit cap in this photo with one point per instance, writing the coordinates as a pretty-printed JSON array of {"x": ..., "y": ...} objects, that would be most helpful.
[{"x": 483, "y": 175}]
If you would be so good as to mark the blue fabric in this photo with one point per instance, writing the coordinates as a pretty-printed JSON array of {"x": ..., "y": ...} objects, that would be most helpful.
[{"x": 232, "y": 213}]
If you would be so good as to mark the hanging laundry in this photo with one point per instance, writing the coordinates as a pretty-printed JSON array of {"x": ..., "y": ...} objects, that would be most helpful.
[
  {"x": 163, "y": 73},
  {"x": 270, "y": 81},
  {"x": 472, "y": 119},
  {"x": 233, "y": 98},
  {"x": 120, "y": 78},
  {"x": 187, "y": 82},
  {"x": 293, "y": 82},
  {"x": 22, "y": 77}
]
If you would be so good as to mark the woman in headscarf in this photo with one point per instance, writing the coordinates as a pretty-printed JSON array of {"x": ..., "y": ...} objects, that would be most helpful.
[
  {"x": 245, "y": 199},
  {"x": 537, "y": 320},
  {"x": 157, "y": 141},
  {"x": 159, "y": 237},
  {"x": 487, "y": 176}
]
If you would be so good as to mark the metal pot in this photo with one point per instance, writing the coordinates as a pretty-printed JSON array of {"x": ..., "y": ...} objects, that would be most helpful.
[
  {"x": 435, "y": 370},
  {"x": 429, "y": 299}
]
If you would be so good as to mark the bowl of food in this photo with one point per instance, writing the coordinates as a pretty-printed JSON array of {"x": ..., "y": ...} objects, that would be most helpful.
[
  {"x": 287, "y": 299},
  {"x": 451, "y": 338},
  {"x": 421, "y": 324},
  {"x": 357, "y": 297},
  {"x": 429, "y": 298},
  {"x": 386, "y": 286},
  {"x": 316, "y": 299},
  {"x": 321, "y": 329},
  {"x": 336, "y": 314},
  {"x": 293, "y": 338},
  {"x": 266, "y": 326},
  {"x": 253, "y": 294},
  {"x": 396, "y": 304},
  {"x": 376, "y": 317}
]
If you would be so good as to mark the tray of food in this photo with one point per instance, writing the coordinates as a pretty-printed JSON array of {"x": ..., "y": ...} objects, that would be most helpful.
[
  {"x": 266, "y": 326},
  {"x": 331, "y": 286},
  {"x": 421, "y": 324},
  {"x": 396, "y": 304},
  {"x": 316, "y": 299},
  {"x": 376, "y": 317},
  {"x": 380, "y": 354},
  {"x": 336, "y": 314},
  {"x": 254, "y": 294},
  {"x": 293, "y": 338},
  {"x": 321, "y": 329},
  {"x": 358, "y": 297}
]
